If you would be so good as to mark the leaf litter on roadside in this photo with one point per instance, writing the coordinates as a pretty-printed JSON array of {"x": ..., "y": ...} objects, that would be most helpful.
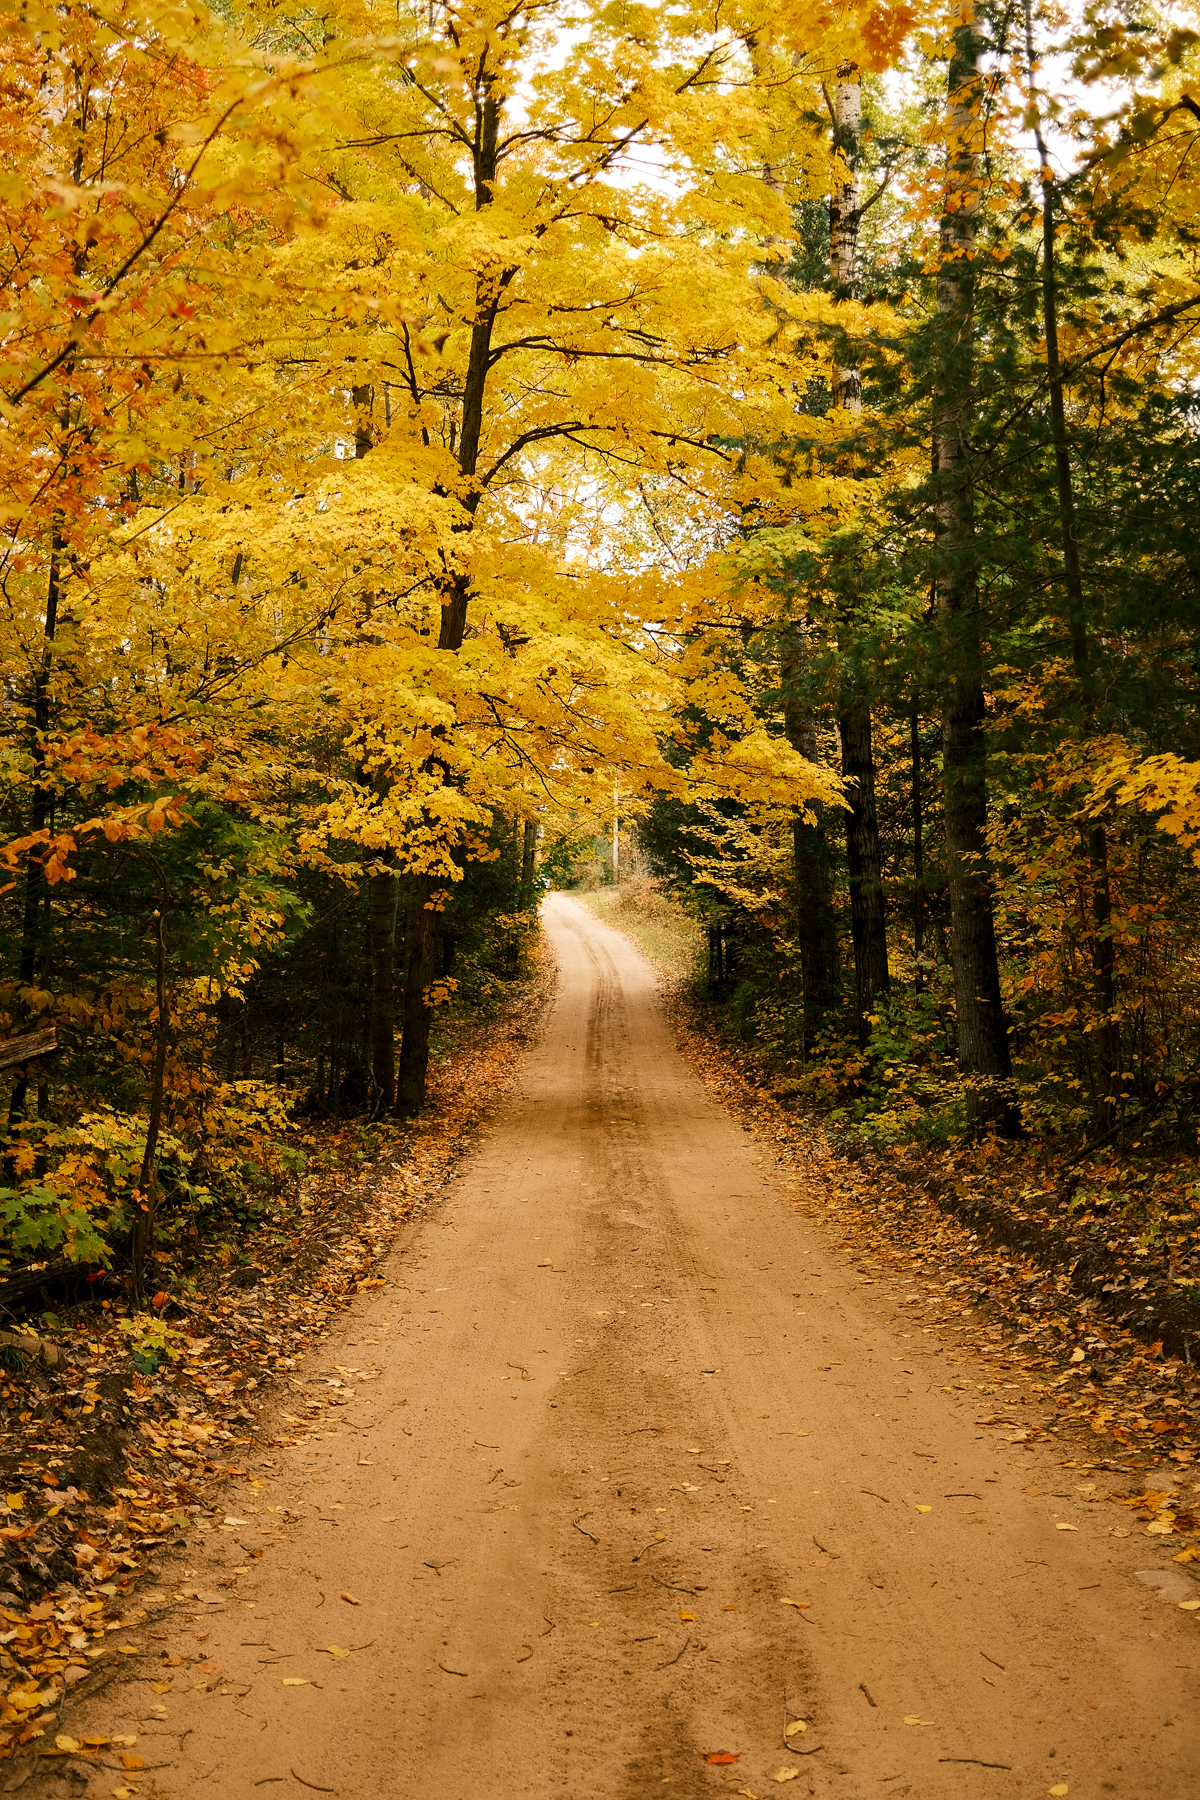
[
  {"x": 104, "y": 1462},
  {"x": 1072, "y": 1369}
]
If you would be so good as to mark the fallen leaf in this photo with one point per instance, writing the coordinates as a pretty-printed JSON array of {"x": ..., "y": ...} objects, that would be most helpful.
[
  {"x": 336, "y": 1650},
  {"x": 122, "y": 1793},
  {"x": 295, "y": 1681},
  {"x": 366, "y": 1462},
  {"x": 15, "y": 1502},
  {"x": 1160, "y": 1528},
  {"x": 67, "y": 1743},
  {"x": 923, "y": 1509},
  {"x": 686, "y": 1618},
  {"x": 160, "y": 1687},
  {"x": 1061, "y": 1527},
  {"x": 915, "y": 1719},
  {"x": 132, "y": 1762},
  {"x": 730, "y": 1606},
  {"x": 1188, "y": 1555},
  {"x": 795, "y": 1726},
  {"x": 128, "y": 1650},
  {"x": 785, "y": 1775},
  {"x": 1060, "y": 1787},
  {"x": 1076, "y": 1356},
  {"x": 799, "y": 1604},
  {"x": 1189, "y": 1605},
  {"x": 130, "y": 1739},
  {"x": 723, "y": 1756},
  {"x": 545, "y": 1263},
  {"x": 229, "y": 1521},
  {"x": 350, "y": 1599}
]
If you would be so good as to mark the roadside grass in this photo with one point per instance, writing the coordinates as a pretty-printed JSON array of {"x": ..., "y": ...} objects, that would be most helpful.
[{"x": 659, "y": 927}]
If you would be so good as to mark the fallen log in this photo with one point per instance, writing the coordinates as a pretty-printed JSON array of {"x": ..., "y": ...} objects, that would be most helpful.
[{"x": 24, "y": 1049}]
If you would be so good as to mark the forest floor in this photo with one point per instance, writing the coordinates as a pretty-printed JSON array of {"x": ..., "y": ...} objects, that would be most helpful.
[{"x": 647, "y": 1476}]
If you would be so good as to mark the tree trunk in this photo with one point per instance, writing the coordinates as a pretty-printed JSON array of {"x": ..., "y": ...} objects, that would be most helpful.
[
  {"x": 918, "y": 829},
  {"x": 528, "y": 856},
  {"x": 145, "y": 1195},
  {"x": 1093, "y": 838},
  {"x": 422, "y": 932},
  {"x": 867, "y": 921},
  {"x": 816, "y": 920},
  {"x": 385, "y": 895},
  {"x": 36, "y": 915},
  {"x": 983, "y": 1052}
]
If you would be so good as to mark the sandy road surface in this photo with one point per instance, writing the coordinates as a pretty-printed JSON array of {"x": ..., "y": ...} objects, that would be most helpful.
[{"x": 620, "y": 1384}]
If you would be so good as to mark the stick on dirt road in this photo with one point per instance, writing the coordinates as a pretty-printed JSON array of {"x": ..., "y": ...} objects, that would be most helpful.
[{"x": 649, "y": 1475}]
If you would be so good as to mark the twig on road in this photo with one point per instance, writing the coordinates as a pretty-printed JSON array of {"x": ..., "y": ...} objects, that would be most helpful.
[
  {"x": 313, "y": 1785},
  {"x": 644, "y": 1548},
  {"x": 585, "y": 1531},
  {"x": 979, "y": 1764},
  {"x": 674, "y": 1659},
  {"x": 677, "y": 1589}
]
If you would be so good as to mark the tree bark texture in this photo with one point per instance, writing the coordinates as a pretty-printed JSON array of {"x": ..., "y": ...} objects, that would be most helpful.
[{"x": 983, "y": 1050}]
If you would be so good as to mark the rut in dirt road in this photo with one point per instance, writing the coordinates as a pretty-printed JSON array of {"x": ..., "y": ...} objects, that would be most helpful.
[{"x": 650, "y": 1475}]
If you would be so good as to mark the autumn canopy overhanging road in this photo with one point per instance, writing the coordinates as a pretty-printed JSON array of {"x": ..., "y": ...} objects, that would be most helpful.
[{"x": 649, "y": 1473}]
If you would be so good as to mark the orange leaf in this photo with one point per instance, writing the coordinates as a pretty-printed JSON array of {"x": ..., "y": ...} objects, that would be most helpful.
[{"x": 723, "y": 1756}]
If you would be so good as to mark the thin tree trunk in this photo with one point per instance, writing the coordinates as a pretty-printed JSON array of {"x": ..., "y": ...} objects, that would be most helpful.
[
  {"x": 528, "y": 858},
  {"x": 816, "y": 920},
  {"x": 422, "y": 933},
  {"x": 1094, "y": 838},
  {"x": 36, "y": 909},
  {"x": 384, "y": 895},
  {"x": 918, "y": 829},
  {"x": 145, "y": 1198},
  {"x": 983, "y": 1050},
  {"x": 868, "y": 922}
]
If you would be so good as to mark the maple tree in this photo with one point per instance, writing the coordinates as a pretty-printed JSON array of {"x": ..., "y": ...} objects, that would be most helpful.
[{"x": 413, "y": 440}]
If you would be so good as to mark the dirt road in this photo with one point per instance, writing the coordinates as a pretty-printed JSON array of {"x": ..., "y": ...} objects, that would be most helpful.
[{"x": 649, "y": 1472}]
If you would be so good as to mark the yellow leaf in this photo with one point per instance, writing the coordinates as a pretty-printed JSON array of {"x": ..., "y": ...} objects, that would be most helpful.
[
  {"x": 160, "y": 1687},
  {"x": 1189, "y": 1605},
  {"x": 1076, "y": 1356},
  {"x": 1061, "y": 1527},
  {"x": 1160, "y": 1528},
  {"x": 800, "y": 1605},
  {"x": 545, "y": 1263},
  {"x": 129, "y": 1650},
  {"x": 16, "y": 1502},
  {"x": 336, "y": 1650},
  {"x": 132, "y": 1762},
  {"x": 795, "y": 1726},
  {"x": 785, "y": 1775},
  {"x": 915, "y": 1719},
  {"x": 294, "y": 1681},
  {"x": 1060, "y": 1787},
  {"x": 924, "y": 1509},
  {"x": 67, "y": 1743},
  {"x": 687, "y": 1618},
  {"x": 351, "y": 1600}
]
